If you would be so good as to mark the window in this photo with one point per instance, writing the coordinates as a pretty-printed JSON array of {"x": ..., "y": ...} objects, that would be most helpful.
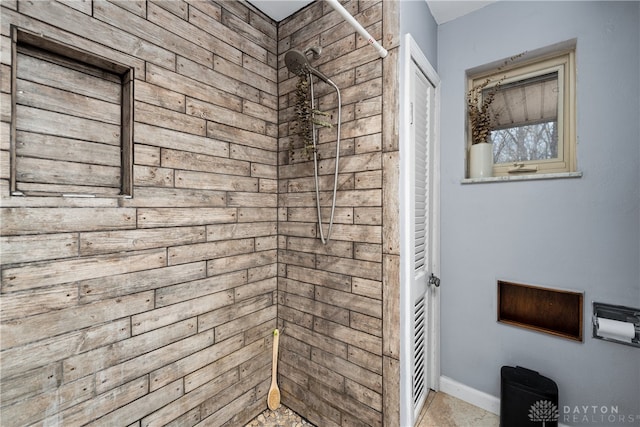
[
  {"x": 71, "y": 121},
  {"x": 532, "y": 114}
]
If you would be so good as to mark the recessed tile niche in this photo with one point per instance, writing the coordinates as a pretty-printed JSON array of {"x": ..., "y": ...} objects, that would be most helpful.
[
  {"x": 71, "y": 120},
  {"x": 552, "y": 311}
]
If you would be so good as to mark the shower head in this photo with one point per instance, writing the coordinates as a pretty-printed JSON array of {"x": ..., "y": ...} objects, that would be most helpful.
[{"x": 298, "y": 64}]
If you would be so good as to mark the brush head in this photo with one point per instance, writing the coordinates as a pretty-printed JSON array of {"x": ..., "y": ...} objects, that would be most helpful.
[{"x": 273, "y": 399}]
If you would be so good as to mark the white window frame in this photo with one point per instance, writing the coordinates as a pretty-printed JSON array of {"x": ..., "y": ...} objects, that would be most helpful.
[{"x": 564, "y": 63}]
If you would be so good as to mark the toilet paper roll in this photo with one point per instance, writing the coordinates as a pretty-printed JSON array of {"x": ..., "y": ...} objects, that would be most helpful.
[{"x": 616, "y": 330}]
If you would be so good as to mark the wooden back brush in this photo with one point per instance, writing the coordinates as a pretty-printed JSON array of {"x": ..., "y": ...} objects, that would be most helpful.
[{"x": 273, "y": 398}]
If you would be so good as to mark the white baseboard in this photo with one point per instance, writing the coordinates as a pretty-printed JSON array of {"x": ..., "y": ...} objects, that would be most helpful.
[
  {"x": 475, "y": 397},
  {"x": 470, "y": 395}
]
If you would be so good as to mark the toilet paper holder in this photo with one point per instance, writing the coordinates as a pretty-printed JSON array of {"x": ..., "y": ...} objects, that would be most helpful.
[{"x": 617, "y": 313}]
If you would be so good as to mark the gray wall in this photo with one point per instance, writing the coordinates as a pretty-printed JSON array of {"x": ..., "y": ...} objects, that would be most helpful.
[
  {"x": 581, "y": 234},
  {"x": 415, "y": 18}
]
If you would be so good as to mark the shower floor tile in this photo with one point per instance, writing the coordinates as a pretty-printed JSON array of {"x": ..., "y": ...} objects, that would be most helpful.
[
  {"x": 282, "y": 417},
  {"x": 440, "y": 410}
]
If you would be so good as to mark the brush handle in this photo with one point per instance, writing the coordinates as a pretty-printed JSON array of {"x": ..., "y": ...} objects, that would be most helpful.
[{"x": 274, "y": 363}]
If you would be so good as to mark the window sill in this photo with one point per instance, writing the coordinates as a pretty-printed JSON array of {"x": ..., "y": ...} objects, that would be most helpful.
[{"x": 532, "y": 177}]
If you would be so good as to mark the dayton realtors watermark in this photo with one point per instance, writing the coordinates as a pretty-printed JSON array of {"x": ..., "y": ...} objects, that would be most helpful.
[{"x": 597, "y": 415}]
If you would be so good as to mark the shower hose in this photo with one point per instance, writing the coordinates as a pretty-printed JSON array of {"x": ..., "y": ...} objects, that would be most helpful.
[{"x": 315, "y": 160}]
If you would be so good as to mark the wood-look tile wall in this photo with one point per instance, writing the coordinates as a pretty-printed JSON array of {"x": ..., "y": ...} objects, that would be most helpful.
[
  {"x": 156, "y": 309},
  {"x": 336, "y": 366}
]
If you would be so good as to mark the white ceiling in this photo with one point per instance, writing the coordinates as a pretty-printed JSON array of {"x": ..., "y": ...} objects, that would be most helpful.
[
  {"x": 442, "y": 10},
  {"x": 448, "y": 10},
  {"x": 279, "y": 9}
]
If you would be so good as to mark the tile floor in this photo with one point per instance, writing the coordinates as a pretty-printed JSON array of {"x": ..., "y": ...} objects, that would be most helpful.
[
  {"x": 440, "y": 410},
  {"x": 443, "y": 410}
]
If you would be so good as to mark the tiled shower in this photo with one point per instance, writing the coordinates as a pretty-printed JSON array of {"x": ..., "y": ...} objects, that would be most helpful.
[{"x": 157, "y": 308}]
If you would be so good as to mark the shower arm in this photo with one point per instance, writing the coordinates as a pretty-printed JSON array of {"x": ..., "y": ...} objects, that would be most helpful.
[{"x": 335, "y": 4}]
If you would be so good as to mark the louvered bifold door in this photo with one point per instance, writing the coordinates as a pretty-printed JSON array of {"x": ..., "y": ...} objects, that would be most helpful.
[{"x": 421, "y": 123}]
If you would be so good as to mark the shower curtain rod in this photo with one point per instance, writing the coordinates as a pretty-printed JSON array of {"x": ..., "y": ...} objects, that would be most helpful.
[{"x": 335, "y": 4}]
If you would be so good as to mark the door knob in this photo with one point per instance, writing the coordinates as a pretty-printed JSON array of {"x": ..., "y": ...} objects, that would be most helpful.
[{"x": 434, "y": 280}]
